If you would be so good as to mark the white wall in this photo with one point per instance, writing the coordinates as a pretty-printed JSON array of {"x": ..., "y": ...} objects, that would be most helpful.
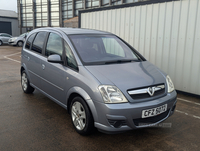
[{"x": 166, "y": 34}]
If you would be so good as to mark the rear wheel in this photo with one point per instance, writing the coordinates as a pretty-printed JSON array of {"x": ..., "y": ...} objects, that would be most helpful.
[
  {"x": 26, "y": 87},
  {"x": 1, "y": 42},
  {"x": 81, "y": 116},
  {"x": 20, "y": 43}
]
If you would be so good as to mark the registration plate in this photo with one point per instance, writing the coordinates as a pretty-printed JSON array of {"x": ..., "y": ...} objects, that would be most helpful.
[{"x": 154, "y": 111}]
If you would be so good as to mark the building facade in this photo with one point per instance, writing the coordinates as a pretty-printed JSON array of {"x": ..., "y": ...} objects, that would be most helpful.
[
  {"x": 53, "y": 13},
  {"x": 9, "y": 23}
]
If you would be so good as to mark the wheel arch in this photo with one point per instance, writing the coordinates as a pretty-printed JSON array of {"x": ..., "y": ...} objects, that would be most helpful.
[
  {"x": 23, "y": 67},
  {"x": 77, "y": 91}
]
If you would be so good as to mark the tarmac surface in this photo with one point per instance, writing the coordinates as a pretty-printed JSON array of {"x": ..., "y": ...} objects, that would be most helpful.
[{"x": 34, "y": 122}]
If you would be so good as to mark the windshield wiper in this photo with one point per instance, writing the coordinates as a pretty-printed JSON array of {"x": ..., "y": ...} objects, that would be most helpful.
[{"x": 122, "y": 61}]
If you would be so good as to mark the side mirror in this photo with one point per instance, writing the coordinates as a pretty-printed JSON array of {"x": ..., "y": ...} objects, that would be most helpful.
[
  {"x": 54, "y": 59},
  {"x": 25, "y": 36}
]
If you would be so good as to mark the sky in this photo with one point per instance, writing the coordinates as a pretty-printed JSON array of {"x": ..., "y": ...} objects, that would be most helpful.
[{"x": 8, "y": 5}]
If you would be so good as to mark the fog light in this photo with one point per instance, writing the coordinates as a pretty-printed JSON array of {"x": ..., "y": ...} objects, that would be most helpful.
[{"x": 117, "y": 123}]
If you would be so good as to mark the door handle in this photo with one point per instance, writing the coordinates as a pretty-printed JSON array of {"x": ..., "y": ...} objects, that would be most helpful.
[
  {"x": 28, "y": 58},
  {"x": 43, "y": 66}
]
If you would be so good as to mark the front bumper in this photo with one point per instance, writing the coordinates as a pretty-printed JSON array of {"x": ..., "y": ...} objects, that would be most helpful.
[
  {"x": 114, "y": 118},
  {"x": 12, "y": 43}
]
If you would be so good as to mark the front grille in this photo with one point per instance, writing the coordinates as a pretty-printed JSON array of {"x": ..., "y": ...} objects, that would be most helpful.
[
  {"x": 150, "y": 120},
  {"x": 141, "y": 93},
  {"x": 146, "y": 95}
]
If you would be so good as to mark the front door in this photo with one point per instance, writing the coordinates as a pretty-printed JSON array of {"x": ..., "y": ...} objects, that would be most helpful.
[{"x": 53, "y": 75}]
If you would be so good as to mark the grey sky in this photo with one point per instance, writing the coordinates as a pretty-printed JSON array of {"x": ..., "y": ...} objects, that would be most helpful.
[{"x": 8, "y": 5}]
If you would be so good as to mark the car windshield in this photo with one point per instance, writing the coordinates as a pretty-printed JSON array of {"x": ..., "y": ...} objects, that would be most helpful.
[
  {"x": 102, "y": 49},
  {"x": 22, "y": 35}
]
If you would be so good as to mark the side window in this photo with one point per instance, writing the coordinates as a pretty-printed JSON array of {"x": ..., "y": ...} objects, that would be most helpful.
[
  {"x": 113, "y": 47},
  {"x": 29, "y": 41},
  {"x": 54, "y": 45},
  {"x": 6, "y": 35},
  {"x": 39, "y": 42},
  {"x": 71, "y": 61},
  {"x": 9, "y": 36}
]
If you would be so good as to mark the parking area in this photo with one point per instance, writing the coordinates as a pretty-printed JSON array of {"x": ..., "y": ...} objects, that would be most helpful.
[{"x": 34, "y": 122}]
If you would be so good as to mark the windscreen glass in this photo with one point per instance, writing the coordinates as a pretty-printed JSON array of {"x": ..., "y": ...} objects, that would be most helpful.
[
  {"x": 22, "y": 35},
  {"x": 102, "y": 49}
]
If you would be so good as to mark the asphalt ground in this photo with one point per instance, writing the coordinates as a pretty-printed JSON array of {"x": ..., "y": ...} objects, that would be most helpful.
[{"x": 34, "y": 122}]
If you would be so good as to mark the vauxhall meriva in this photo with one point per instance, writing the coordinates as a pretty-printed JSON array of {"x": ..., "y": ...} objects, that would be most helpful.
[{"x": 100, "y": 79}]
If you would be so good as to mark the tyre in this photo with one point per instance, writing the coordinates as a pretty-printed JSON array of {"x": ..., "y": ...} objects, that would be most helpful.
[
  {"x": 1, "y": 43},
  {"x": 26, "y": 87},
  {"x": 81, "y": 116},
  {"x": 20, "y": 43}
]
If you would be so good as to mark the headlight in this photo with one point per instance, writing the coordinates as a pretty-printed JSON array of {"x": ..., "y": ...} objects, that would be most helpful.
[
  {"x": 111, "y": 94},
  {"x": 13, "y": 39},
  {"x": 170, "y": 84}
]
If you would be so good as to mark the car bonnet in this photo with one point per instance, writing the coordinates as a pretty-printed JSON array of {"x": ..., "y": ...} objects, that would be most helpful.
[{"x": 128, "y": 76}]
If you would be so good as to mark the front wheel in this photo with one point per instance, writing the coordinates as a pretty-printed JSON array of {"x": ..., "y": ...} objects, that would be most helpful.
[
  {"x": 26, "y": 87},
  {"x": 1, "y": 42},
  {"x": 81, "y": 116},
  {"x": 20, "y": 43}
]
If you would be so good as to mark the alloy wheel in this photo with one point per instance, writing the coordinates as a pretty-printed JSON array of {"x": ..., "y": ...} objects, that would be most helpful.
[
  {"x": 24, "y": 81},
  {"x": 20, "y": 44},
  {"x": 78, "y": 115}
]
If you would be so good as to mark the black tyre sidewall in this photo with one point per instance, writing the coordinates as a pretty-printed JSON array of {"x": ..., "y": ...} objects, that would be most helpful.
[
  {"x": 89, "y": 126},
  {"x": 29, "y": 89},
  {"x": 1, "y": 43},
  {"x": 18, "y": 43}
]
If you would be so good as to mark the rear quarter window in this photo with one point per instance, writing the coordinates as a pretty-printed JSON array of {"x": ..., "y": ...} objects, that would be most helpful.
[
  {"x": 29, "y": 41},
  {"x": 39, "y": 42}
]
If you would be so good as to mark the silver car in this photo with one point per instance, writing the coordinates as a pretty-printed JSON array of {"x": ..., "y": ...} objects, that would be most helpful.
[
  {"x": 101, "y": 80},
  {"x": 18, "y": 41},
  {"x": 4, "y": 38}
]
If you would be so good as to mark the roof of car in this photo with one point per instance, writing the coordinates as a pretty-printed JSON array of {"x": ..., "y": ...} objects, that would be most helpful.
[
  {"x": 82, "y": 31},
  {"x": 4, "y": 33},
  {"x": 74, "y": 31}
]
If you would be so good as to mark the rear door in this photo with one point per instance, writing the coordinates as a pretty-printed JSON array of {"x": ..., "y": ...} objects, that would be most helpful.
[{"x": 33, "y": 55}]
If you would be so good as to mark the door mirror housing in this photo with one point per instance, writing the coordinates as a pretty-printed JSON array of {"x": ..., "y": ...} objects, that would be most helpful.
[{"x": 54, "y": 59}]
